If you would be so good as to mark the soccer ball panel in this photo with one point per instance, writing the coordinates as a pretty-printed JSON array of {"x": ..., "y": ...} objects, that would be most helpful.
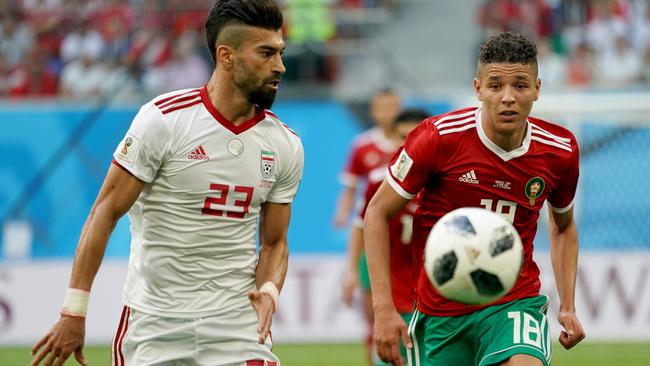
[
  {"x": 444, "y": 267},
  {"x": 486, "y": 283},
  {"x": 502, "y": 240}
]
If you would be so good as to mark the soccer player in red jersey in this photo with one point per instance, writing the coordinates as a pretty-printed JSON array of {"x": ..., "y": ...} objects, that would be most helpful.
[
  {"x": 499, "y": 158},
  {"x": 370, "y": 149},
  {"x": 400, "y": 237}
]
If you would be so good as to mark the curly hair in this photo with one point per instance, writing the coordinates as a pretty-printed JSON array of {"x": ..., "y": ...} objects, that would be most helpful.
[
  {"x": 508, "y": 47},
  {"x": 257, "y": 13}
]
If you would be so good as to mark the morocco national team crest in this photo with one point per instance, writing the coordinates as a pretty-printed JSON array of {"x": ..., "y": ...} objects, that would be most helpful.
[
  {"x": 534, "y": 189},
  {"x": 267, "y": 163}
]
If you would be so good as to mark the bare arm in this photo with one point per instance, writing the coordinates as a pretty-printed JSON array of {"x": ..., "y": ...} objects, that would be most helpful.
[
  {"x": 273, "y": 261},
  {"x": 355, "y": 246},
  {"x": 117, "y": 194},
  {"x": 274, "y": 249},
  {"x": 388, "y": 324},
  {"x": 564, "y": 257},
  {"x": 344, "y": 206},
  {"x": 384, "y": 205}
]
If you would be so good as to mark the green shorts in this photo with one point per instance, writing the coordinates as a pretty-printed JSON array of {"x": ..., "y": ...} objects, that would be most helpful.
[
  {"x": 377, "y": 361},
  {"x": 364, "y": 277},
  {"x": 486, "y": 337}
]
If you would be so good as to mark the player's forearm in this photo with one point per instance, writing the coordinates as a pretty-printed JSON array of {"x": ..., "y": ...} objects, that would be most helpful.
[
  {"x": 92, "y": 245},
  {"x": 564, "y": 257},
  {"x": 346, "y": 201},
  {"x": 355, "y": 246},
  {"x": 377, "y": 249},
  {"x": 273, "y": 263}
]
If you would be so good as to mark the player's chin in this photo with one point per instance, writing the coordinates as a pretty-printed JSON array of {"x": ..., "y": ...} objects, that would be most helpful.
[{"x": 510, "y": 124}]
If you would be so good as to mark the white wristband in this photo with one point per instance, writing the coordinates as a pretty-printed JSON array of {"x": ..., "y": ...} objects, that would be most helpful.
[
  {"x": 269, "y": 288},
  {"x": 75, "y": 303}
]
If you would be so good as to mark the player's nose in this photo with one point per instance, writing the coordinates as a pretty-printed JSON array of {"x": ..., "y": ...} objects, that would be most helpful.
[
  {"x": 278, "y": 65},
  {"x": 508, "y": 96}
]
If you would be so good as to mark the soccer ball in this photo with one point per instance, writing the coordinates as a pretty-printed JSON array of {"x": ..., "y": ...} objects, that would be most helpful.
[{"x": 473, "y": 256}]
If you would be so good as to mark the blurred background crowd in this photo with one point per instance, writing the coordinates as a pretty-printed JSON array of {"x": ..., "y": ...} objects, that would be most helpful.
[
  {"x": 85, "y": 48},
  {"x": 581, "y": 42},
  {"x": 88, "y": 48}
]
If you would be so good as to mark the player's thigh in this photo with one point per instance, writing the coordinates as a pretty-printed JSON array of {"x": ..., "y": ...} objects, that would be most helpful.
[
  {"x": 519, "y": 327},
  {"x": 146, "y": 340},
  {"x": 232, "y": 340},
  {"x": 440, "y": 341}
]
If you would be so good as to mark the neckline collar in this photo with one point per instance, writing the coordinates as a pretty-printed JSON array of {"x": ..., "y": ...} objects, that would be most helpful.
[
  {"x": 504, "y": 155},
  {"x": 225, "y": 122},
  {"x": 383, "y": 142}
]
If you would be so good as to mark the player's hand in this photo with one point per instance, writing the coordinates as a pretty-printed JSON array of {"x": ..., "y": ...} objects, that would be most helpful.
[
  {"x": 350, "y": 283},
  {"x": 66, "y": 337},
  {"x": 573, "y": 331},
  {"x": 389, "y": 328},
  {"x": 263, "y": 305}
]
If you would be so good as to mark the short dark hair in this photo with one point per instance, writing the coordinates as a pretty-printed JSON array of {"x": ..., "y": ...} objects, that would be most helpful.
[
  {"x": 257, "y": 13},
  {"x": 508, "y": 47},
  {"x": 411, "y": 114}
]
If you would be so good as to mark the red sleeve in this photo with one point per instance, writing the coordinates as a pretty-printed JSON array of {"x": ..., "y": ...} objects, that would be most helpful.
[
  {"x": 353, "y": 169},
  {"x": 411, "y": 167},
  {"x": 562, "y": 197},
  {"x": 355, "y": 162}
]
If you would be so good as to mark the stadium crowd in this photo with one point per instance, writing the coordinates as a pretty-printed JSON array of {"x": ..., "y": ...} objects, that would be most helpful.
[
  {"x": 90, "y": 48},
  {"x": 124, "y": 48},
  {"x": 581, "y": 43}
]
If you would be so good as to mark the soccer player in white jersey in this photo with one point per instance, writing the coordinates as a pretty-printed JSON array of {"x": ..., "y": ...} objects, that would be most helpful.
[{"x": 196, "y": 171}]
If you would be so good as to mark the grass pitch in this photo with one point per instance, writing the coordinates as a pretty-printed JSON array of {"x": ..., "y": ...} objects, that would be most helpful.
[{"x": 585, "y": 354}]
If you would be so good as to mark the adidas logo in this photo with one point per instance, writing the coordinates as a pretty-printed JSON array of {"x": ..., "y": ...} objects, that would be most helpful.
[
  {"x": 198, "y": 154},
  {"x": 469, "y": 177}
]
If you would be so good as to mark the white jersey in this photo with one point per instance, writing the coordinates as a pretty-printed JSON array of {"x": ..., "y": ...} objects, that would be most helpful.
[{"x": 194, "y": 226}]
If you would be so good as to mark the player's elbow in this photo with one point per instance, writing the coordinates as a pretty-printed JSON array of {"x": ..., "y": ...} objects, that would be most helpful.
[
  {"x": 105, "y": 211},
  {"x": 375, "y": 213}
]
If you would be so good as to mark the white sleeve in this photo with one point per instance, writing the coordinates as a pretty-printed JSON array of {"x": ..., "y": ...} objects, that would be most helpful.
[
  {"x": 286, "y": 187},
  {"x": 142, "y": 149}
]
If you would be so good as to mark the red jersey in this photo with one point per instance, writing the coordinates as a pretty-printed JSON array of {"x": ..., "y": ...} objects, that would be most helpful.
[
  {"x": 400, "y": 229},
  {"x": 453, "y": 162},
  {"x": 370, "y": 150}
]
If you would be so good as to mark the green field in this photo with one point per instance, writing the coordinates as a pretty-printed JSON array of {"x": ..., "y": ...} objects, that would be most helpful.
[{"x": 585, "y": 354}]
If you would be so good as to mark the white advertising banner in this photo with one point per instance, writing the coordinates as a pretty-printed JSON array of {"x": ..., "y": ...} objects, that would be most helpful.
[{"x": 612, "y": 298}]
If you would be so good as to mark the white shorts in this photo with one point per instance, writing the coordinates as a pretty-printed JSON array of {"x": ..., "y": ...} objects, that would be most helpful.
[{"x": 227, "y": 340}]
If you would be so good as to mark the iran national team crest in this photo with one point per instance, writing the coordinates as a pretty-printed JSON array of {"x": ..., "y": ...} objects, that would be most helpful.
[
  {"x": 267, "y": 163},
  {"x": 534, "y": 189}
]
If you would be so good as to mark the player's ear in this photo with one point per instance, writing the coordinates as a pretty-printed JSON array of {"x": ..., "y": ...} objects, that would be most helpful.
[
  {"x": 538, "y": 85},
  {"x": 225, "y": 56},
  {"x": 477, "y": 88}
]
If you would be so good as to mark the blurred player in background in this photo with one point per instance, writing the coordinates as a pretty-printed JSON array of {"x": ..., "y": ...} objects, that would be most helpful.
[
  {"x": 196, "y": 170},
  {"x": 498, "y": 158},
  {"x": 400, "y": 231},
  {"x": 370, "y": 149}
]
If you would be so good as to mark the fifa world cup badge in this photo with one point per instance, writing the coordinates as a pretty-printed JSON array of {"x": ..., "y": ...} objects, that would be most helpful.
[
  {"x": 127, "y": 143},
  {"x": 534, "y": 189}
]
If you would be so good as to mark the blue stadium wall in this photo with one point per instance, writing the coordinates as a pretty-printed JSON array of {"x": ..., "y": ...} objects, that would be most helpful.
[{"x": 56, "y": 206}]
